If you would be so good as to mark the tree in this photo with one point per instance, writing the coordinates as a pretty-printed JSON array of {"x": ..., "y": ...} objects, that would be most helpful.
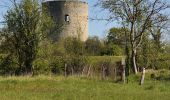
[
  {"x": 25, "y": 24},
  {"x": 73, "y": 46},
  {"x": 74, "y": 55},
  {"x": 138, "y": 16},
  {"x": 112, "y": 50},
  {"x": 116, "y": 36},
  {"x": 93, "y": 46}
]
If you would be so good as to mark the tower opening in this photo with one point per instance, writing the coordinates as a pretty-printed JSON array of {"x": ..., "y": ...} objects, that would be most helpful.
[{"x": 67, "y": 18}]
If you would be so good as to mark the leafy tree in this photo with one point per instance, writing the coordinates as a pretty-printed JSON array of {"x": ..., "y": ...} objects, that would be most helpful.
[
  {"x": 117, "y": 36},
  {"x": 138, "y": 16},
  {"x": 25, "y": 25},
  {"x": 152, "y": 54},
  {"x": 112, "y": 50},
  {"x": 73, "y": 46},
  {"x": 93, "y": 46},
  {"x": 74, "y": 55},
  {"x": 49, "y": 58}
]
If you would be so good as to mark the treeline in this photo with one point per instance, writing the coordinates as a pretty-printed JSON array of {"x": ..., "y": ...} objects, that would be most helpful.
[
  {"x": 52, "y": 57},
  {"x": 26, "y": 47},
  {"x": 72, "y": 56}
]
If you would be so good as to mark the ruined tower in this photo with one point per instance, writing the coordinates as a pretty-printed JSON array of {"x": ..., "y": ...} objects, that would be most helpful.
[{"x": 72, "y": 15}]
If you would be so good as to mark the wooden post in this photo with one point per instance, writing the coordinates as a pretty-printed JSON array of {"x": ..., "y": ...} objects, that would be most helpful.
[
  {"x": 123, "y": 70},
  {"x": 123, "y": 74},
  {"x": 83, "y": 71},
  {"x": 65, "y": 73},
  {"x": 143, "y": 77},
  {"x": 103, "y": 72},
  {"x": 72, "y": 71},
  {"x": 89, "y": 69},
  {"x": 115, "y": 72}
]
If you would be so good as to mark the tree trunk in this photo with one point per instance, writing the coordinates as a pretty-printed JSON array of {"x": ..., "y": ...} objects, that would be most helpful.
[
  {"x": 134, "y": 60},
  {"x": 133, "y": 45},
  {"x": 28, "y": 67}
]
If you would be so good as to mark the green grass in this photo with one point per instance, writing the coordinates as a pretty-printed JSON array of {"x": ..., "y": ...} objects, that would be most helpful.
[{"x": 80, "y": 88}]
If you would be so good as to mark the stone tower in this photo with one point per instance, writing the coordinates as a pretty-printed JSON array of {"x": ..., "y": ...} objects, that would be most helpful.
[{"x": 72, "y": 15}]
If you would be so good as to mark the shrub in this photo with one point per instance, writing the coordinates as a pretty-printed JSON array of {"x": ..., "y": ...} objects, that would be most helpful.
[
  {"x": 8, "y": 65},
  {"x": 57, "y": 65},
  {"x": 112, "y": 50},
  {"x": 41, "y": 66}
]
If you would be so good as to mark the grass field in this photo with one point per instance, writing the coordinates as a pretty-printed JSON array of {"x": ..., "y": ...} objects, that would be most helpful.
[{"x": 80, "y": 88}]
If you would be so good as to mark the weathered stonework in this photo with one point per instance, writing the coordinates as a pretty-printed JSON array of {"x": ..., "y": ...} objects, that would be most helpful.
[{"x": 72, "y": 15}]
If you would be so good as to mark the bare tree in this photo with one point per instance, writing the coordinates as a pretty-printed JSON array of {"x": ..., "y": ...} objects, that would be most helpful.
[{"x": 139, "y": 16}]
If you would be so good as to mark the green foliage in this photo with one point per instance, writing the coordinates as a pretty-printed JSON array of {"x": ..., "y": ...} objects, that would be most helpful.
[
  {"x": 41, "y": 66},
  {"x": 75, "y": 64},
  {"x": 8, "y": 65},
  {"x": 22, "y": 21},
  {"x": 138, "y": 17},
  {"x": 26, "y": 26},
  {"x": 167, "y": 48},
  {"x": 73, "y": 46},
  {"x": 153, "y": 55},
  {"x": 49, "y": 58},
  {"x": 163, "y": 61},
  {"x": 117, "y": 36},
  {"x": 93, "y": 46},
  {"x": 58, "y": 65},
  {"x": 112, "y": 50},
  {"x": 53, "y": 57}
]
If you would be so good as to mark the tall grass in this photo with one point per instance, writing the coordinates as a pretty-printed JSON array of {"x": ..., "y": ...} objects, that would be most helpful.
[{"x": 81, "y": 88}]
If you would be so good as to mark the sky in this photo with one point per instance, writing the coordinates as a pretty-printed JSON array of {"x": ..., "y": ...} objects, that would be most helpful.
[{"x": 96, "y": 28}]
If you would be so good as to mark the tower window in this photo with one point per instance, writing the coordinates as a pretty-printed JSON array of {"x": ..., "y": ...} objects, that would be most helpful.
[{"x": 67, "y": 18}]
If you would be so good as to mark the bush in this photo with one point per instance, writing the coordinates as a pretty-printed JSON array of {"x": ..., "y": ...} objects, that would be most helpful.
[
  {"x": 112, "y": 50},
  {"x": 45, "y": 55},
  {"x": 8, "y": 66},
  {"x": 75, "y": 63},
  {"x": 58, "y": 65},
  {"x": 160, "y": 61},
  {"x": 41, "y": 66}
]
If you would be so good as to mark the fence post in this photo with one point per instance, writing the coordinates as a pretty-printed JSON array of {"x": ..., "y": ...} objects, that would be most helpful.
[
  {"x": 143, "y": 77},
  {"x": 103, "y": 72},
  {"x": 65, "y": 73},
  {"x": 123, "y": 70},
  {"x": 89, "y": 69},
  {"x": 115, "y": 72},
  {"x": 83, "y": 71}
]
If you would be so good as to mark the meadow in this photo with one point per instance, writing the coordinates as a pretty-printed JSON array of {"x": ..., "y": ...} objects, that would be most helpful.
[{"x": 82, "y": 88}]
